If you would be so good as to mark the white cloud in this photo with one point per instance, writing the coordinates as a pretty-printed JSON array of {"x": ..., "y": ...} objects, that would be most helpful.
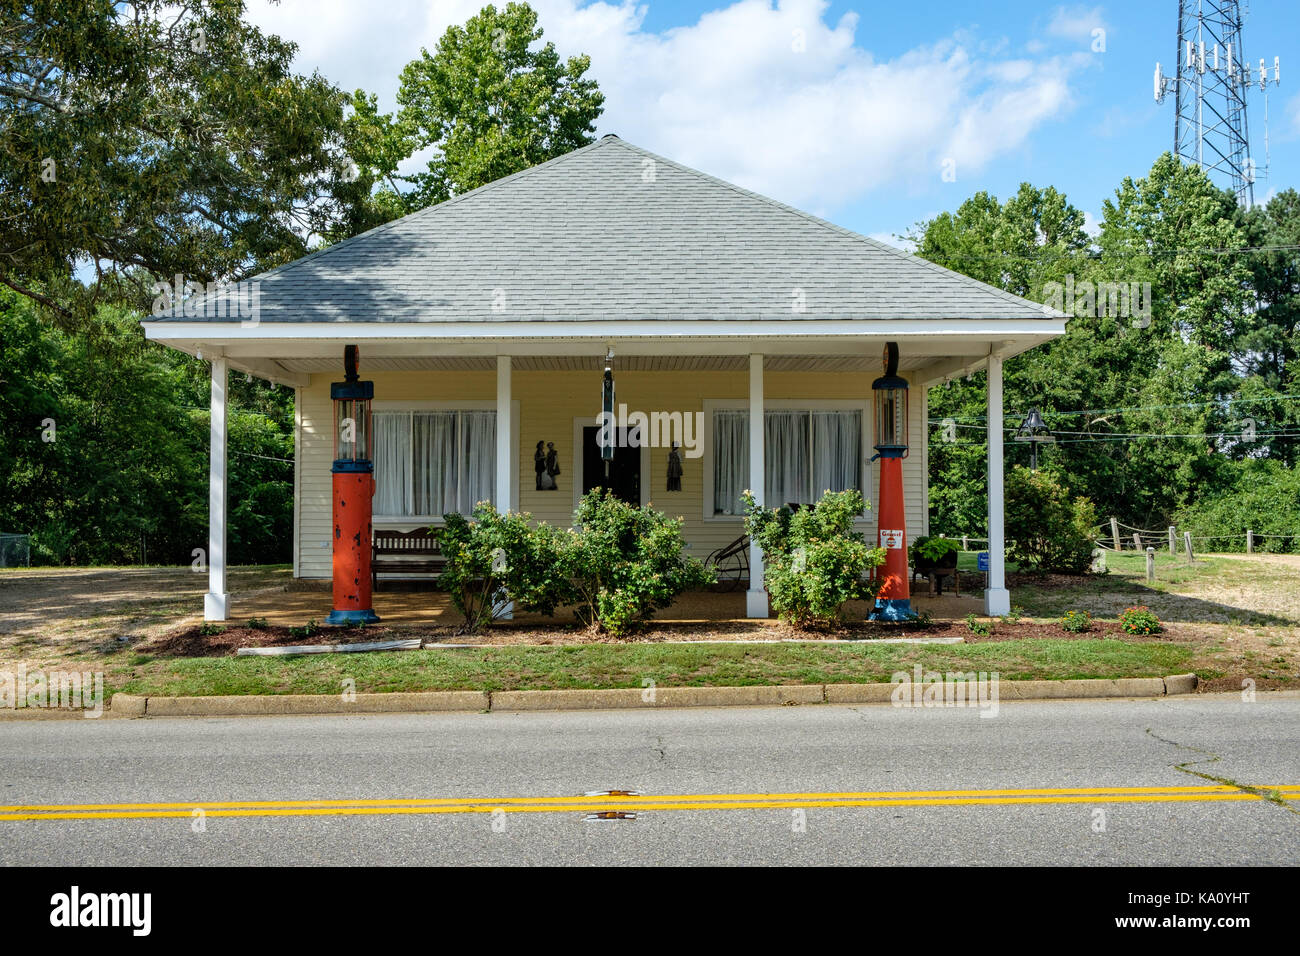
[
  {"x": 1293, "y": 113},
  {"x": 1076, "y": 23},
  {"x": 733, "y": 94},
  {"x": 1091, "y": 224}
]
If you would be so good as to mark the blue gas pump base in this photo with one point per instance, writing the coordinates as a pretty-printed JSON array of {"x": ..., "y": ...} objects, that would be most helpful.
[
  {"x": 893, "y": 609},
  {"x": 352, "y": 617}
]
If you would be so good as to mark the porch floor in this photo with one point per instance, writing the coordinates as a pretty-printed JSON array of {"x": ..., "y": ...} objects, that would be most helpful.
[{"x": 298, "y": 605}]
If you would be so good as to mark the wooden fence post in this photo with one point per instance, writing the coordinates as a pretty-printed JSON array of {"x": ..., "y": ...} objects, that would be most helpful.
[
  {"x": 1250, "y": 541},
  {"x": 1187, "y": 541},
  {"x": 1151, "y": 565},
  {"x": 1137, "y": 541},
  {"x": 1173, "y": 539},
  {"x": 1114, "y": 532}
]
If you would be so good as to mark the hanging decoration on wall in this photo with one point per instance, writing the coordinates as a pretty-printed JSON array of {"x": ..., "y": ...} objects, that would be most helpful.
[
  {"x": 546, "y": 464},
  {"x": 674, "y": 469}
]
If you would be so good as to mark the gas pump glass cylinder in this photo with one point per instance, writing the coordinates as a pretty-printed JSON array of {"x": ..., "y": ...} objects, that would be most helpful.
[
  {"x": 891, "y": 417},
  {"x": 352, "y": 428}
]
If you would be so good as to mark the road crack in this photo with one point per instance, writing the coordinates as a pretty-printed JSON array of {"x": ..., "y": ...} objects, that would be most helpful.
[{"x": 1272, "y": 796}]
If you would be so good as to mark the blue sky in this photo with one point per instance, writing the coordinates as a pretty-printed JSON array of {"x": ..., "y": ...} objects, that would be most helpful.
[{"x": 853, "y": 111}]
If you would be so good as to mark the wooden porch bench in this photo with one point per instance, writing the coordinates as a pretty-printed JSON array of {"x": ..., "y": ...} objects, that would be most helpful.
[{"x": 405, "y": 551}]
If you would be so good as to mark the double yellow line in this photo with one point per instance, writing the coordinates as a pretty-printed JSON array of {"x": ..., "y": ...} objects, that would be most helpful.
[{"x": 634, "y": 803}]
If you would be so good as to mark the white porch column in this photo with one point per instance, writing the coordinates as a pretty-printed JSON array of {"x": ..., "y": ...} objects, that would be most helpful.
[
  {"x": 504, "y": 493},
  {"x": 216, "y": 603},
  {"x": 756, "y": 604},
  {"x": 505, "y": 428},
  {"x": 997, "y": 599}
]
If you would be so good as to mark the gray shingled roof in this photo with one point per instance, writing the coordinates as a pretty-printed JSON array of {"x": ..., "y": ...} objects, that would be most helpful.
[{"x": 612, "y": 232}]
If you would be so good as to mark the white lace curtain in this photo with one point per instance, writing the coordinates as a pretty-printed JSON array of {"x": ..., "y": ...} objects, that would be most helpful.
[
  {"x": 806, "y": 453},
  {"x": 432, "y": 463}
]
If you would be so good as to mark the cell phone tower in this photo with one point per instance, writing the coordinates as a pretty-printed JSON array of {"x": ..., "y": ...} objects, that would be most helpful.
[{"x": 1210, "y": 88}]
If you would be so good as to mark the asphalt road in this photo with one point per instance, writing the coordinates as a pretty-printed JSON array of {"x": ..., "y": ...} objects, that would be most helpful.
[{"x": 529, "y": 767}]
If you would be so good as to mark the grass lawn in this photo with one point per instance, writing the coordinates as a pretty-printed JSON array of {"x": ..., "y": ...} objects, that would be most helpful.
[{"x": 628, "y": 665}]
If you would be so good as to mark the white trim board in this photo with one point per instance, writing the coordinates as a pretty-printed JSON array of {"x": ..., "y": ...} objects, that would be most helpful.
[{"x": 719, "y": 328}]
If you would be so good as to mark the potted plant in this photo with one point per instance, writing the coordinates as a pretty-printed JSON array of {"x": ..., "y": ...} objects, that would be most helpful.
[{"x": 931, "y": 555}]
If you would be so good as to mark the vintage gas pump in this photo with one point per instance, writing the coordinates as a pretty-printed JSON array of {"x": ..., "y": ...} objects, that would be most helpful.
[
  {"x": 894, "y": 602},
  {"x": 354, "y": 489}
]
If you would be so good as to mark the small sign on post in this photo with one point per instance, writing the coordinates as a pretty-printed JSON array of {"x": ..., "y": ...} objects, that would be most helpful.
[
  {"x": 982, "y": 561},
  {"x": 1151, "y": 565}
]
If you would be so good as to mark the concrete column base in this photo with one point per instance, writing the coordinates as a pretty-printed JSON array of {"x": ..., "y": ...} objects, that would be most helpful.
[
  {"x": 997, "y": 601},
  {"x": 756, "y": 604},
  {"x": 216, "y": 607}
]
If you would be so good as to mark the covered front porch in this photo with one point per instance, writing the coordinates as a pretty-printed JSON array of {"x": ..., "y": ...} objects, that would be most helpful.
[{"x": 455, "y": 426}]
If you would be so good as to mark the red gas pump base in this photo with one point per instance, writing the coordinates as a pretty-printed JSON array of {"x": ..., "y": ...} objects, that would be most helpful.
[
  {"x": 894, "y": 602},
  {"x": 353, "y": 491}
]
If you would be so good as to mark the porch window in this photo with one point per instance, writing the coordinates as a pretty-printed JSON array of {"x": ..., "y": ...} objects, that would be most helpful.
[
  {"x": 430, "y": 463},
  {"x": 807, "y": 451}
]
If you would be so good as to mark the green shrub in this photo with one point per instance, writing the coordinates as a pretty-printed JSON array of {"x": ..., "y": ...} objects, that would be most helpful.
[
  {"x": 976, "y": 626},
  {"x": 257, "y": 623},
  {"x": 622, "y": 563},
  {"x": 1263, "y": 496},
  {"x": 312, "y": 627},
  {"x": 211, "y": 628},
  {"x": 1077, "y": 622},
  {"x": 813, "y": 559},
  {"x": 1049, "y": 531},
  {"x": 495, "y": 555},
  {"x": 1139, "y": 620}
]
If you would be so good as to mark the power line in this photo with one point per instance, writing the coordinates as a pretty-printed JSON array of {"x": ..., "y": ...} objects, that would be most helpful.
[{"x": 1141, "y": 408}]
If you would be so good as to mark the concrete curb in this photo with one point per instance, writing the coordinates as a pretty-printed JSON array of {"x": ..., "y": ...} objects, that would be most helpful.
[{"x": 628, "y": 698}]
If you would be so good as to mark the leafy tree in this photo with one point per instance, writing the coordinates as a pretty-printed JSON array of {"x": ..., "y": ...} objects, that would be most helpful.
[
  {"x": 1167, "y": 370},
  {"x": 104, "y": 457},
  {"x": 490, "y": 103},
  {"x": 149, "y": 138},
  {"x": 1268, "y": 340}
]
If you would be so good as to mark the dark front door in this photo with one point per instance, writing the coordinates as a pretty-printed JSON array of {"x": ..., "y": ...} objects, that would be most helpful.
[{"x": 624, "y": 471}]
